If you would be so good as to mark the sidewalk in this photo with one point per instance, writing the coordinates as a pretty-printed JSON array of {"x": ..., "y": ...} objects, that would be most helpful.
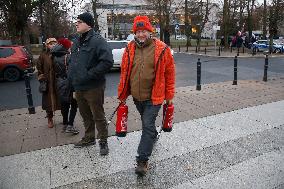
[
  {"x": 214, "y": 52},
  {"x": 224, "y": 136}
]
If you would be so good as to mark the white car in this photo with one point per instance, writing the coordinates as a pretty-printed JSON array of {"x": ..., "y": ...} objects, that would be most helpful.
[{"x": 117, "y": 48}]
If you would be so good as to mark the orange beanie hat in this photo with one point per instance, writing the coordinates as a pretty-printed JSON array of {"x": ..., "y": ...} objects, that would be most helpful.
[{"x": 142, "y": 23}]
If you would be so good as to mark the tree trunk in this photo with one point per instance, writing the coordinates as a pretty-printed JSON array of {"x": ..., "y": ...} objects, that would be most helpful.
[
  {"x": 225, "y": 22},
  {"x": 25, "y": 38},
  {"x": 167, "y": 25},
  {"x": 96, "y": 26},
  {"x": 264, "y": 19},
  {"x": 187, "y": 27}
]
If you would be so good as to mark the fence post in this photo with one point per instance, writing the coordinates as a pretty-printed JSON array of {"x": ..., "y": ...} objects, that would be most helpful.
[
  {"x": 198, "y": 86},
  {"x": 31, "y": 107},
  {"x": 219, "y": 54},
  {"x": 265, "y": 68},
  {"x": 235, "y": 82}
]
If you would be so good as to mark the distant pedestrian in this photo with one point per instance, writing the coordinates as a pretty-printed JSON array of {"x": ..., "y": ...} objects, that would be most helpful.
[
  {"x": 91, "y": 59},
  {"x": 148, "y": 74},
  {"x": 46, "y": 77},
  {"x": 222, "y": 42},
  {"x": 61, "y": 57},
  {"x": 239, "y": 41}
]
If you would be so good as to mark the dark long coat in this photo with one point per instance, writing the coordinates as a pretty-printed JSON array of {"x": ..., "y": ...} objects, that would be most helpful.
[{"x": 50, "y": 100}]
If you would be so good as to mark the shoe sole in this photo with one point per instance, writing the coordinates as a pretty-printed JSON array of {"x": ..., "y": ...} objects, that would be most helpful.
[
  {"x": 73, "y": 132},
  {"x": 103, "y": 154},
  {"x": 85, "y": 145},
  {"x": 140, "y": 173}
]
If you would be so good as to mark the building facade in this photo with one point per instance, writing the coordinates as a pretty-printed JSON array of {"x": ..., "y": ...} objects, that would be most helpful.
[{"x": 115, "y": 17}]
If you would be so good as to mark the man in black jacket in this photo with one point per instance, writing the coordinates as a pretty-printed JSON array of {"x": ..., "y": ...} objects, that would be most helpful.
[{"x": 91, "y": 59}]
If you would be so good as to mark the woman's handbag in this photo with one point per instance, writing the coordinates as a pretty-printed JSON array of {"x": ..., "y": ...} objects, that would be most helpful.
[{"x": 42, "y": 86}]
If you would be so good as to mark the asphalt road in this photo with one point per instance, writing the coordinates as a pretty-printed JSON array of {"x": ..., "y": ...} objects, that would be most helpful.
[{"x": 214, "y": 69}]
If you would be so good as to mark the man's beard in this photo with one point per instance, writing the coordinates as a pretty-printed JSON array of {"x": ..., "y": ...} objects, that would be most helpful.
[{"x": 141, "y": 43}]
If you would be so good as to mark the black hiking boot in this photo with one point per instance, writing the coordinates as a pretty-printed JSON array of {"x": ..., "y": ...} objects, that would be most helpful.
[
  {"x": 85, "y": 142},
  {"x": 142, "y": 168},
  {"x": 103, "y": 148}
]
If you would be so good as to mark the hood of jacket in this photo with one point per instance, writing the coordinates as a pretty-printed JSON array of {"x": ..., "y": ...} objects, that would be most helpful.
[{"x": 59, "y": 50}]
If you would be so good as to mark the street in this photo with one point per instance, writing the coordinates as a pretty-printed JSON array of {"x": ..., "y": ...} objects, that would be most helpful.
[{"x": 214, "y": 70}]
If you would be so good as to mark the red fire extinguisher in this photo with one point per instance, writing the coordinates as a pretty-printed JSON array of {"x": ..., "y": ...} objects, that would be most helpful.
[
  {"x": 168, "y": 116},
  {"x": 121, "y": 120}
]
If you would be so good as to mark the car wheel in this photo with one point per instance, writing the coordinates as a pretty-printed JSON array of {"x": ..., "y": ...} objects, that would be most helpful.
[{"x": 12, "y": 74}]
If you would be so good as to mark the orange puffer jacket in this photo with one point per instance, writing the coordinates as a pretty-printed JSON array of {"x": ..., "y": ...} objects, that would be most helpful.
[{"x": 164, "y": 83}]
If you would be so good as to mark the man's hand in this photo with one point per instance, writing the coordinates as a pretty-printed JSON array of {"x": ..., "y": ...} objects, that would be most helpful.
[
  {"x": 169, "y": 102},
  {"x": 122, "y": 101}
]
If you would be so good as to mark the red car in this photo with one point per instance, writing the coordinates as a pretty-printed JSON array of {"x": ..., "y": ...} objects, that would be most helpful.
[{"x": 14, "y": 60}]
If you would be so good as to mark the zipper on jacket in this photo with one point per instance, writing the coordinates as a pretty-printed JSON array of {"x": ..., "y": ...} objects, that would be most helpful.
[{"x": 141, "y": 69}]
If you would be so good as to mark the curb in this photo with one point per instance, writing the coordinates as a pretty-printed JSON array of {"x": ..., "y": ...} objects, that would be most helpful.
[{"x": 232, "y": 56}]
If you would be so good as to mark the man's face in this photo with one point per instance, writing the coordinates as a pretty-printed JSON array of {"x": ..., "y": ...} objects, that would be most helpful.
[
  {"x": 51, "y": 45},
  {"x": 142, "y": 35},
  {"x": 81, "y": 26}
]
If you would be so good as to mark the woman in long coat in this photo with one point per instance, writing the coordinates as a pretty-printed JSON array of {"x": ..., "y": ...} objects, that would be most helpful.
[{"x": 50, "y": 101}]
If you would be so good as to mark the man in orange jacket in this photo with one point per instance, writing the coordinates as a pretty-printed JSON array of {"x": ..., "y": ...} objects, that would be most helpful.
[{"x": 148, "y": 75}]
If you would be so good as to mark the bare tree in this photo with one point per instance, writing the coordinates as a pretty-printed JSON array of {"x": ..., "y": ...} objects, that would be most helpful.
[
  {"x": 54, "y": 19},
  {"x": 250, "y": 8},
  {"x": 203, "y": 10},
  {"x": 163, "y": 10},
  {"x": 264, "y": 20},
  {"x": 16, "y": 15},
  {"x": 276, "y": 15},
  {"x": 94, "y": 8},
  {"x": 188, "y": 28}
]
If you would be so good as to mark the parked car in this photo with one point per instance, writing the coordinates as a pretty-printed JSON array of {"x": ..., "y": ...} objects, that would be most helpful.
[
  {"x": 117, "y": 51},
  {"x": 263, "y": 45},
  {"x": 179, "y": 37},
  {"x": 14, "y": 60}
]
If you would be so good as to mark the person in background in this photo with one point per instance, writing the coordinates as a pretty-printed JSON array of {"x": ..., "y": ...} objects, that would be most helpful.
[
  {"x": 44, "y": 65},
  {"x": 148, "y": 75},
  {"x": 61, "y": 57},
  {"x": 91, "y": 59}
]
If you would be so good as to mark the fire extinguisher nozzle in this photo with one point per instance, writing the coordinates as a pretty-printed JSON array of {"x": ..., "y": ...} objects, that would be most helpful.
[{"x": 121, "y": 134}]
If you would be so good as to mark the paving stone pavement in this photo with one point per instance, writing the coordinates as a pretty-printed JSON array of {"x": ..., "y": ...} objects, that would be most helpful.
[
  {"x": 21, "y": 132},
  {"x": 224, "y": 136}
]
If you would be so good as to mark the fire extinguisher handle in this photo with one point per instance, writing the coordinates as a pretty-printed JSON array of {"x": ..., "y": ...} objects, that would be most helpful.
[
  {"x": 112, "y": 115},
  {"x": 163, "y": 120}
]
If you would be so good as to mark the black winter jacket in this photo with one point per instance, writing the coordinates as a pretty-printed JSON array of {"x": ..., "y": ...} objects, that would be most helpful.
[
  {"x": 59, "y": 54},
  {"x": 90, "y": 61}
]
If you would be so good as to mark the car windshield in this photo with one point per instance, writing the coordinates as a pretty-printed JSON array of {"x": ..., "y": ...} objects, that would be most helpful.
[{"x": 117, "y": 45}]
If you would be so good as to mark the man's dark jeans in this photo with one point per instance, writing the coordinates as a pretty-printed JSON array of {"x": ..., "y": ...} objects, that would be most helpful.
[
  {"x": 148, "y": 113},
  {"x": 91, "y": 108}
]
